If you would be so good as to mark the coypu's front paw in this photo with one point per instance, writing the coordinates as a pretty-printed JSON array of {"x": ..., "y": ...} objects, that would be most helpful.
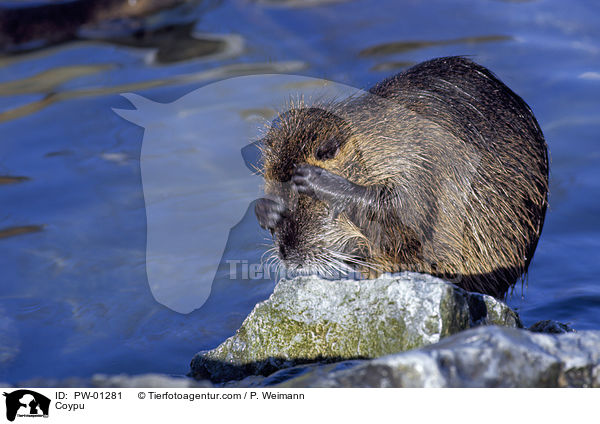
[
  {"x": 323, "y": 185},
  {"x": 269, "y": 212},
  {"x": 307, "y": 179},
  {"x": 318, "y": 183}
]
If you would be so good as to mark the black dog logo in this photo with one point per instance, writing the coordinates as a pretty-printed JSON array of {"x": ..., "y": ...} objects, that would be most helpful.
[{"x": 29, "y": 400}]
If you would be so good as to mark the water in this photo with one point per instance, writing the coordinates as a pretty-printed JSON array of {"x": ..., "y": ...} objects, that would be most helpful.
[{"x": 74, "y": 298}]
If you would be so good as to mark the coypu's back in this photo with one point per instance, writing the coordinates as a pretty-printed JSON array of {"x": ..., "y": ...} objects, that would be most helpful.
[
  {"x": 440, "y": 169},
  {"x": 471, "y": 103}
]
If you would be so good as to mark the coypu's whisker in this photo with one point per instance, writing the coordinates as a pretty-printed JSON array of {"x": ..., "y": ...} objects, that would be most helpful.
[{"x": 272, "y": 250}]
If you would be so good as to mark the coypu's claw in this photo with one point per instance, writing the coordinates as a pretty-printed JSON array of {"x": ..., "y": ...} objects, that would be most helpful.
[
  {"x": 306, "y": 179},
  {"x": 269, "y": 212}
]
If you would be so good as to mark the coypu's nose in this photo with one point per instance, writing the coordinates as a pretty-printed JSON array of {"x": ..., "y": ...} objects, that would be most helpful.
[{"x": 287, "y": 238}]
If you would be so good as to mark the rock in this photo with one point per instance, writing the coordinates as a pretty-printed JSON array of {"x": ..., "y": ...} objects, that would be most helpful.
[
  {"x": 550, "y": 327},
  {"x": 481, "y": 357},
  {"x": 309, "y": 319}
]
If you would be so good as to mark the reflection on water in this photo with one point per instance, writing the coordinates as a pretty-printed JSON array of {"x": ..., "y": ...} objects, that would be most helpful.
[
  {"x": 297, "y": 3},
  {"x": 50, "y": 80},
  {"x": 406, "y": 46},
  {"x": 39, "y": 24},
  {"x": 253, "y": 113},
  {"x": 73, "y": 223},
  {"x": 7, "y": 179},
  {"x": 226, "y": 71},
  {"x": 391, "y": 66},
  {"x": 177, "y": 43},
  {"x": 17, "y": 231}
]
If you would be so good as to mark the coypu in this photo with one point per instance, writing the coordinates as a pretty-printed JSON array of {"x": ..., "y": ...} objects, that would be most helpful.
[{"x": 441, "y": 169}]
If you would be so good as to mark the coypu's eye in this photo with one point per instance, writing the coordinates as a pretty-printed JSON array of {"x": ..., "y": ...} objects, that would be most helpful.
[{"x": 327, "y": 149}]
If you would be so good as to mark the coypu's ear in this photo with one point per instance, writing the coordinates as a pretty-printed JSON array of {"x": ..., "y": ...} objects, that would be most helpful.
[{"x": 328, "y": 148}]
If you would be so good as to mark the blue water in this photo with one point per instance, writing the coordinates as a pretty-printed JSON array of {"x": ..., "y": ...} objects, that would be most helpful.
[{"x": 74, "y": 297}]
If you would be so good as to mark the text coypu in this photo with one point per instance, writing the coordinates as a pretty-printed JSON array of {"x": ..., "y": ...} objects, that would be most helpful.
[{"x": 441, "y": 169}]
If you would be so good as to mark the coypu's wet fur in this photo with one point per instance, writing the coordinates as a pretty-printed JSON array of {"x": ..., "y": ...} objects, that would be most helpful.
[{"x": 440, "y": 169}]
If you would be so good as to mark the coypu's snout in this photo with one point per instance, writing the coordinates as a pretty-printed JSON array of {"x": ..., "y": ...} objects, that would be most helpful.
[
  {"x": 302, "y": 228},
  {"x": 287, "y": 239}
]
